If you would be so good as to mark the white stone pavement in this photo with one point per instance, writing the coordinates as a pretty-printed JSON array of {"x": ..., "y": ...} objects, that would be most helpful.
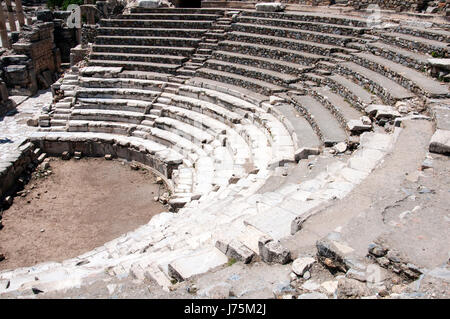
[{"x": 14, "y": 129}]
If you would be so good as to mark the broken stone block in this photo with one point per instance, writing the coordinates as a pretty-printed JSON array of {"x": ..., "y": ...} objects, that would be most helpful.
[
  {"x": 356, "y": 126},
  {"x": 275, "y": 100},
  {"x": 313, "y": 295},
  {"x": 44, "y": 15},
  {"x": 304, "y": 152},
  {"x": 379, "y": 112},
  {"x": 440, "y": 142},
  {"x": 356, "y": 274},
  {"x": 334, "y": 253},
  {"x": 235, "y": 249},
  {"x": 33, "y": 121},
  {"x": 41, "y": 157},
  {"x": 150, "y": 4},
  {"x": 272, "y": 251},
  {"x": 340, "y": 147},
  {"x": 302, "y": 265},
  {"x": 330, "y": 286},
  {"x": 65, "y": 156},
  {"x": 270, "y": 7},
  {"x": 351, "y": 288},
  {"x": 377, "y": 250}
]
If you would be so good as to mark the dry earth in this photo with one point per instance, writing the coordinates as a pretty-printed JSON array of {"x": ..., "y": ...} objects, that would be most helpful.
[{"x": 78, "y": 207}]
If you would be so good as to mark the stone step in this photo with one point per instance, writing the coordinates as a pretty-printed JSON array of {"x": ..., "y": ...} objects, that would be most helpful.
[
  {"x": 200, "y": 262},
  {"x": 155, "y": 58},
  {"x": 439, "y": 35},
  {"x": 107, "y": 115},
  {"x": 169, "y": 16},
  {"x": 212, "y": 126},
  {"x": 342, "y": 110},
  {"x": 411, "y": 79},
  {"x": 204, "y": 51},
  {"x": 359, "y": 97},
  {"x": 115, "y": 93},
  {"x": 113, "y": 104},
  {"x": 156, "y": 23},
  {"x": 169, "y": 139},
  {"x": 217, "y": 12},
  {"x": 252, "y": 72},
  {"x": 282, "y": 32},
  {"x": 416, "y": 43},
  {"x": 151, "y": 32},
  {"x": 283, "y": 42},
  {"x": 97, "y": 126},
  {"x": 208, "y": 108},
  {"x": 304, "y": 25},
  {"x": 146, "y": 41},
  {"x": 159, "y": 151},
  {"x": 141, "y": 49},
  {"x": 385, "y": 88},
  {"x": 186, "y": 71},
  {"x": 221, "y": 87},
  {"x": 409, "y": 58},
  {"x": 248, "y": 83},
  {"x": 261, "y": 62},
  {"x": 311, "y": 16},
  {"x": 321, "y": 119},
  {"x": 58, "y": 122},
  {"x": 233, "y": 103},
  {"x": 193, "y": 133},
  {"x": 306, "y": 136},
  {"x": 206, "y": 45},
  {"x": 274, "y": 52},
  {"x": 132, "y": 83},
  {"x": 137, "y": 66}
]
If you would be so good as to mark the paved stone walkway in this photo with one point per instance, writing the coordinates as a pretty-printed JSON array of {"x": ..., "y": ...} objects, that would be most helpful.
[{"x": 14, "y": 129}]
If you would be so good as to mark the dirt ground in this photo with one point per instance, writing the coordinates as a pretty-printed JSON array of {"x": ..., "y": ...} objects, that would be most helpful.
[{"x": 78, "y": 207}]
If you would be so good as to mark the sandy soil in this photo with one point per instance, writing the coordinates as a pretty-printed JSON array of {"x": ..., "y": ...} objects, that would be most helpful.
[{"x": 78, "y": 207}]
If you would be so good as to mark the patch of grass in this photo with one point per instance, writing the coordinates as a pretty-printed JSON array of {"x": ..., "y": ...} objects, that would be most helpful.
[
  {"x": 436, "y": 55},
  {"x": 231, "y": 261}
]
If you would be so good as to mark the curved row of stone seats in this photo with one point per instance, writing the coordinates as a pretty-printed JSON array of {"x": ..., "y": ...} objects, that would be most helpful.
[
  {"x": 151, "y": 32},
  {"x": 274, "y": 65},
  {"x": 304, "y": 139},
  {"x": 256, "y": 85},
  {"x": 304, "y": 25},
  {"x": 416, "y": 43},
  {"x": 142, "y": 49},
  {"x": 321, "y": 119},
  {"x": 96, "y": 104},
  {"x": 436, "y": 34},
  {"x": 177, "y": 11},
  {"x": 285, "y": 43},
  {"x": 144, "y": 129},
  {"x": 348, "y": 116},
  {"x": 263, "y": 51},
  {"x": 410, "y": 79},
  {"x": 415, "y": 60},
  {"x": 306, "y": 35},
  {"x": 259, "y": 73},
  {"x": 318, "y": 17},
  {"x": 386, "y": 89},
  {"x": 169, "y": 24}
]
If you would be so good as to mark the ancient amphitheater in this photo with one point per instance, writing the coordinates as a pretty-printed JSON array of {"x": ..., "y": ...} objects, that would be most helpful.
[{"x": 305, "y": 148}]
